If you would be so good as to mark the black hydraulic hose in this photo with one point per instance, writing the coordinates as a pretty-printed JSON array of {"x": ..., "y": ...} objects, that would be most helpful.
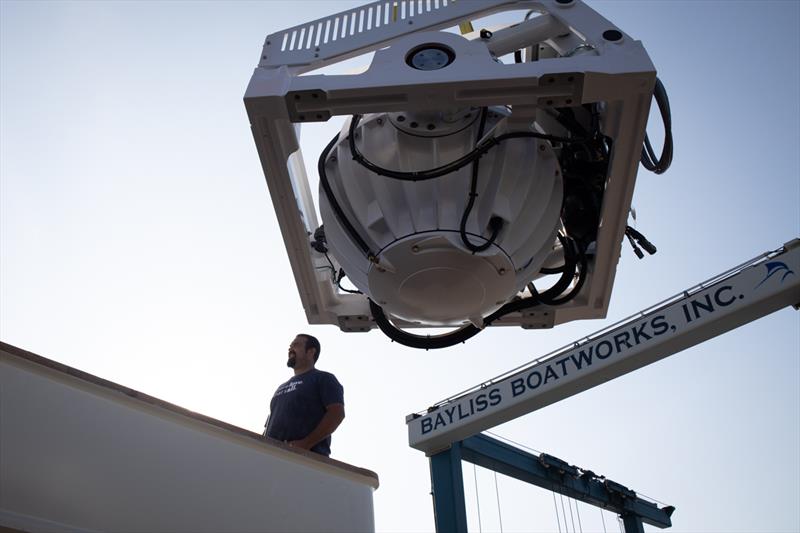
[
  {"x": 426, "y": 342},
  {"x": 578, "y": 285}
]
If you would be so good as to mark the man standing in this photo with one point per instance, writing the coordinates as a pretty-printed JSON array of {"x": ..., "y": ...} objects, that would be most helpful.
[{"x": 308, "y": 408}]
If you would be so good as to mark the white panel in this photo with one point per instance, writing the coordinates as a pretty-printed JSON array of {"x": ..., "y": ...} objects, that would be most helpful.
[{"x": 93, "y": 458}]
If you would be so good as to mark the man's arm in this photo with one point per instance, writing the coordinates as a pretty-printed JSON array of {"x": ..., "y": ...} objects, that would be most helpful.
[{"x": 334, "y": 414}]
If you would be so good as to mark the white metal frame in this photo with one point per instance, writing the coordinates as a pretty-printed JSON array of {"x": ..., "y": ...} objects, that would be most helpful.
[{"x": 616, "y": 70}]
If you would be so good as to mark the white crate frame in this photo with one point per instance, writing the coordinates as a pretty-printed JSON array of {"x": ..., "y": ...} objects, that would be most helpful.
[{"x": 618, "y": 72}]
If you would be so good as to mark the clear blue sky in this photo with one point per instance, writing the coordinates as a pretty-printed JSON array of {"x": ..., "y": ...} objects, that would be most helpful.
[{"x": 138, "y": 243}]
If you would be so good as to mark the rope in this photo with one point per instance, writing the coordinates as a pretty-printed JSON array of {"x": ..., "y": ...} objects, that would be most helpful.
[
  {"x": 578, "y": 512},
  {"x": 477, "y": 499},
  {"x": 558, "y": 520},
  {"x": 497, "y": 494},
  {"x": 603, "y": 519}
]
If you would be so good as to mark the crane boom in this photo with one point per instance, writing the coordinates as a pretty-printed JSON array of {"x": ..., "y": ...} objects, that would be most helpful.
[{"x": 754, "y": 289}]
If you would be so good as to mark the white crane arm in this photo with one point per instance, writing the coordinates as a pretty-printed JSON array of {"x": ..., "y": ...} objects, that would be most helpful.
[{"x": 755, "y": 289}]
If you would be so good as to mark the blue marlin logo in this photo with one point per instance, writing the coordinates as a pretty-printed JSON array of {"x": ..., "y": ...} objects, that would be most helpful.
[{"x": 776, "y": 267}]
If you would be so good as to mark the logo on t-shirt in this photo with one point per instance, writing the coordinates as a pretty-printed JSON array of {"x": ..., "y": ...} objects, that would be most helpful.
[{"x": 288, "y": 387}]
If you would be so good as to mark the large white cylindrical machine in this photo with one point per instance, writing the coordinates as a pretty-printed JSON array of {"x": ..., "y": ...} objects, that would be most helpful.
[{"x": 446, "y": 250}]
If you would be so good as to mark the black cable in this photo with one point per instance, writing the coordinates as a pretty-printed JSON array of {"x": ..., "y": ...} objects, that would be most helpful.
[
  {"x": 496, "y": 223},
  {"x": 337, "y": 209},
  {"x": 639, "y": 253},
  {"x": 461, "y": 162},
  {"x": 426, "y": 342},
  {"x": 648, "y": 246},
  {"x": 584, "y": 267},
  {"x": 460, "y": 335},
  {"x": 661, "y": 164},
  {"x": 339, "y": 283}
]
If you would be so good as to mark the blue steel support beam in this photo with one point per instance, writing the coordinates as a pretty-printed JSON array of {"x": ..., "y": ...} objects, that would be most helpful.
[
  {"x": 449, "y": 509},
  {"x": 503, "y": 458},
  {"x": 632, "y": 523}
]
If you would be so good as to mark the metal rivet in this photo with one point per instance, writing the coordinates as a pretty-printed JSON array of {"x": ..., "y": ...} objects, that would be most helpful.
[
  {"x": 415, "y": 248},
  {"x": 501, "y": 271}
]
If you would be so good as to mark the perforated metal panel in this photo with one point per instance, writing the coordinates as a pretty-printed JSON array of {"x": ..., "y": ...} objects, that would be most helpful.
[{"x": 363, "y": 27}]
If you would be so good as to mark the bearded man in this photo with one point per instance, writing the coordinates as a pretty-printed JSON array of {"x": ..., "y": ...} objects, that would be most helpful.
[{"x": 308, "y": 408}]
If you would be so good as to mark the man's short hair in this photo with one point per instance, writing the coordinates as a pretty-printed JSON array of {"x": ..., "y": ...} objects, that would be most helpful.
[{"x": 311, "y": 342}]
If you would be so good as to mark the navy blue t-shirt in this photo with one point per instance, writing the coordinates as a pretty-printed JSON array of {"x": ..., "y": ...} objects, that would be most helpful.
[{"x": 299, "y": 404}]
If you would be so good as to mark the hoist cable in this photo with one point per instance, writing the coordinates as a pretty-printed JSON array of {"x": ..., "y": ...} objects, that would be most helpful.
[
  {"x": 603, "y": 519},
  {"x": 571, "y": 517},
  {"x": 578, "y": 512},
  {"x": 563, "y": 512},
  {"x": 477, "y": 497},
  {"x": 558, "y": 519},
  {"x": 497, "y": 495}
]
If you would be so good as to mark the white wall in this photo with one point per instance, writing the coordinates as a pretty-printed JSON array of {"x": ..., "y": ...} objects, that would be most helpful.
[{"x": 79, "y": 455}]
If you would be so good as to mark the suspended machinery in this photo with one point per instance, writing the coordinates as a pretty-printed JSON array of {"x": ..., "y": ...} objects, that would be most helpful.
[{"x": 481, "y": 178}]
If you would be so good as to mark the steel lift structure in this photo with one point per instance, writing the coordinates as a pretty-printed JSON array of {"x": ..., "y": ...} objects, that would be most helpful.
[{"x": 449, "y": 431}]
